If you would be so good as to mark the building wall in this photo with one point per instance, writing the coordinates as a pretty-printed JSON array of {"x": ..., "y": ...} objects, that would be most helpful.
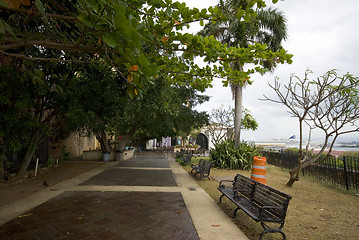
[
  {"x": 75, "y": 144},
  {"x": 166, "y": 142}
]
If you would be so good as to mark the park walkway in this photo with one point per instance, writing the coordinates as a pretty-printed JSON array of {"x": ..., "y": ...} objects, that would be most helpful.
[{"x": 147, "y": 197}]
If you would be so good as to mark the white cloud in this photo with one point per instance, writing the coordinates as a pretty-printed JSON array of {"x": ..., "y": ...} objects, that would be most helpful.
[{"x": 322, "y": 36}]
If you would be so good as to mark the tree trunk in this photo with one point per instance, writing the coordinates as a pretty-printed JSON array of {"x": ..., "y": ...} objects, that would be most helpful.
[
  {"x": 26, "y": 161},
  {"x": 2, "y": 169},
  {"x": 30, "y": 151},
  {"x": 103, "y": 140},
  {"x": 304, "y": 162},
  {"x": 294, "y": 173},
  {"x": 294, "y": 177},
  {"x": 125, "y": 139},
  {"x": 237, "y": 114}
]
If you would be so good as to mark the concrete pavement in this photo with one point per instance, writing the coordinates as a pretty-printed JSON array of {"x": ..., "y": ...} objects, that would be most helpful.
[{"x": 147, "y": 197}]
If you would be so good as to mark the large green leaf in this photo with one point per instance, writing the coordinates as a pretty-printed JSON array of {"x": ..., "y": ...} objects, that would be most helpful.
[
  {"x": 111, "y": 39},
  {"x": 41, "y": 8}
]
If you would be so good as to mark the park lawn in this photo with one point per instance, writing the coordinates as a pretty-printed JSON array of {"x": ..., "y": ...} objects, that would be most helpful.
[{"x": 317, "y": 211}]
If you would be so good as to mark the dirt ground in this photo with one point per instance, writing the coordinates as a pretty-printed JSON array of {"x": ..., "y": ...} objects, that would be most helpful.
[
  {"x": 318, "y": 211},
  {"x": 12, "y": 191}
]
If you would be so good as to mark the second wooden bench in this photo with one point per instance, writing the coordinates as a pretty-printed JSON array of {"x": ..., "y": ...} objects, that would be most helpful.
[{"x": 203, "y": 168}]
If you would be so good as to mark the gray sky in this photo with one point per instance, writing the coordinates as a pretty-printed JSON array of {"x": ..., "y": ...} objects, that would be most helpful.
[{"x": 323, "y": 35}]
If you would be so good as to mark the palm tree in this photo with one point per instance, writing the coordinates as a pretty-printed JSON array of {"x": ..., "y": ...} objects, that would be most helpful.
[{"x": 268, "y": 27}]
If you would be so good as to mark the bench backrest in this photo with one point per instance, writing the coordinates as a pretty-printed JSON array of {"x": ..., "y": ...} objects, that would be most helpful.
[
  {"x": 243, "y": 185},
  {"x": 186, "y": 157},
  {"x": 267, "y": 196},
  {"x": 263, "y": 195},
  {"x": 204, "y": 166}
]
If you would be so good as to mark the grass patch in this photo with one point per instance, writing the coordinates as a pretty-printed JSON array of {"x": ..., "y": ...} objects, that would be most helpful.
[{"x": 318, "y": 211}]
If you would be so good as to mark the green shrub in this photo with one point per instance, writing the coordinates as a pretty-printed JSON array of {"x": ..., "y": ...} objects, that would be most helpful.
[
  {"x": 349, "y": 154},
  {"x": 65, "y": 155},
  {"x": 292, "y": 150},
  {"x": 50, "y": 162},
  {"x": 225, "y": 155}
]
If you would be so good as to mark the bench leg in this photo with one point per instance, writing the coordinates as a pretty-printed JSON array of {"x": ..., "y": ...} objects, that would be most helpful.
[
  {"x": 272, "y": 230},
  {"x": 235, "y": 212},
  {"x": 220, "y": 198},
  {"x": 202, "y": 176}
]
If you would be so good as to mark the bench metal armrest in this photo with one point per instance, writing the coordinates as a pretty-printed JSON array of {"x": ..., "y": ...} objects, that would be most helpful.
[{"x": 220, "y": 183}]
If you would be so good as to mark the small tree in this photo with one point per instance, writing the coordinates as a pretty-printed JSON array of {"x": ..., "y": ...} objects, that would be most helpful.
[
  {"x": 163, "y": 110},
  {"x": 222, "y": 124},
  {"x": 328, "y": 103}
]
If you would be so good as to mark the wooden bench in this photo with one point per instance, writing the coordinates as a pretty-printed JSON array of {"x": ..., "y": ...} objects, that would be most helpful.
[
  {"x": 203, "y": 168},
  {"x": 262, "y": 203},
  {"x": 186, "y": 157}
]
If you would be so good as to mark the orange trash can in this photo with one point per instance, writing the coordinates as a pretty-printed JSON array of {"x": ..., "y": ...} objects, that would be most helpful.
[{"x": 259, "y": 170}]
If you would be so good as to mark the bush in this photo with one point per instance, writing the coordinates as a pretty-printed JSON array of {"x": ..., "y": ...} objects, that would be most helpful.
[
  {"x": 292, "y": 150},
  {"x": 225, "y": 155}
]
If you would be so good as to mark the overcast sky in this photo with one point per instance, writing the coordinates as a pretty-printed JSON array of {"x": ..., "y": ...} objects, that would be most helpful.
[{"x": 322, "y": 35}]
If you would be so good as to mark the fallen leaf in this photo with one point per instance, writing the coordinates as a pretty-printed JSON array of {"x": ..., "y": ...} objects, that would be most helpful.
[
  {"x": 179, "y": 213},
  {"x": 214, "y": 225},
  {"x": 25, "y": 215}
]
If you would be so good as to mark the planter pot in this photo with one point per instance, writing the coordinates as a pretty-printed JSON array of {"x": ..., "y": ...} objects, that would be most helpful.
[{"x": 106, "y": 156}]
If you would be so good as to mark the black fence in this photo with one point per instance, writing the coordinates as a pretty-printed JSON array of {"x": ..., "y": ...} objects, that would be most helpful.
[{"x": 343, "y": 171}]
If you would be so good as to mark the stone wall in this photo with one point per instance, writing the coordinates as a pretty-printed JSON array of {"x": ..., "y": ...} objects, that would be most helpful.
[{"x": 75, "y": 144}]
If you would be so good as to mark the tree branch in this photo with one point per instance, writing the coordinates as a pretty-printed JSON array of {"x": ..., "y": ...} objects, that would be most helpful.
[{"x": 16, "y": 55}]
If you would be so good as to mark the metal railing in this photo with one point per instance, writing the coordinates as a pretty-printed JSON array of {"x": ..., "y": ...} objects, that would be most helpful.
[{"x": 343, "y": 171}]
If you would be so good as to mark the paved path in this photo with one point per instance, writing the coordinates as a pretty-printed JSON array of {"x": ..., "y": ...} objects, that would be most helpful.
[{"x": 147, "y": 197}]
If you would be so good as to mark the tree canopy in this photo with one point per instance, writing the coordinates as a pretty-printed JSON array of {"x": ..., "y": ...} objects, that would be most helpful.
[
  {"x": 267, "y": 27},
  {"x": 112, "y": 47},
  {"x": 141, "y": 39}
]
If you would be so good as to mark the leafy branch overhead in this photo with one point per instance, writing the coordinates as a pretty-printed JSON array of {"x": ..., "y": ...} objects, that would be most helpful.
[{"x": 146, "y": 34}]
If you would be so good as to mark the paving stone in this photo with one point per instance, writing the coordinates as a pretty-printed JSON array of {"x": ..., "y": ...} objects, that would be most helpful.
[
  {"x": 86, "y": 215},
  {"x": 130, "y": 215},
  {"x": 133, "y": 177},
  {"x": 145, "y": 161}
]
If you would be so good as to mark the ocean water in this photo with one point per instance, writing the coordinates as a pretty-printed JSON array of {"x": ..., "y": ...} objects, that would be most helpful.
[{"x": 347, "y": 149}]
